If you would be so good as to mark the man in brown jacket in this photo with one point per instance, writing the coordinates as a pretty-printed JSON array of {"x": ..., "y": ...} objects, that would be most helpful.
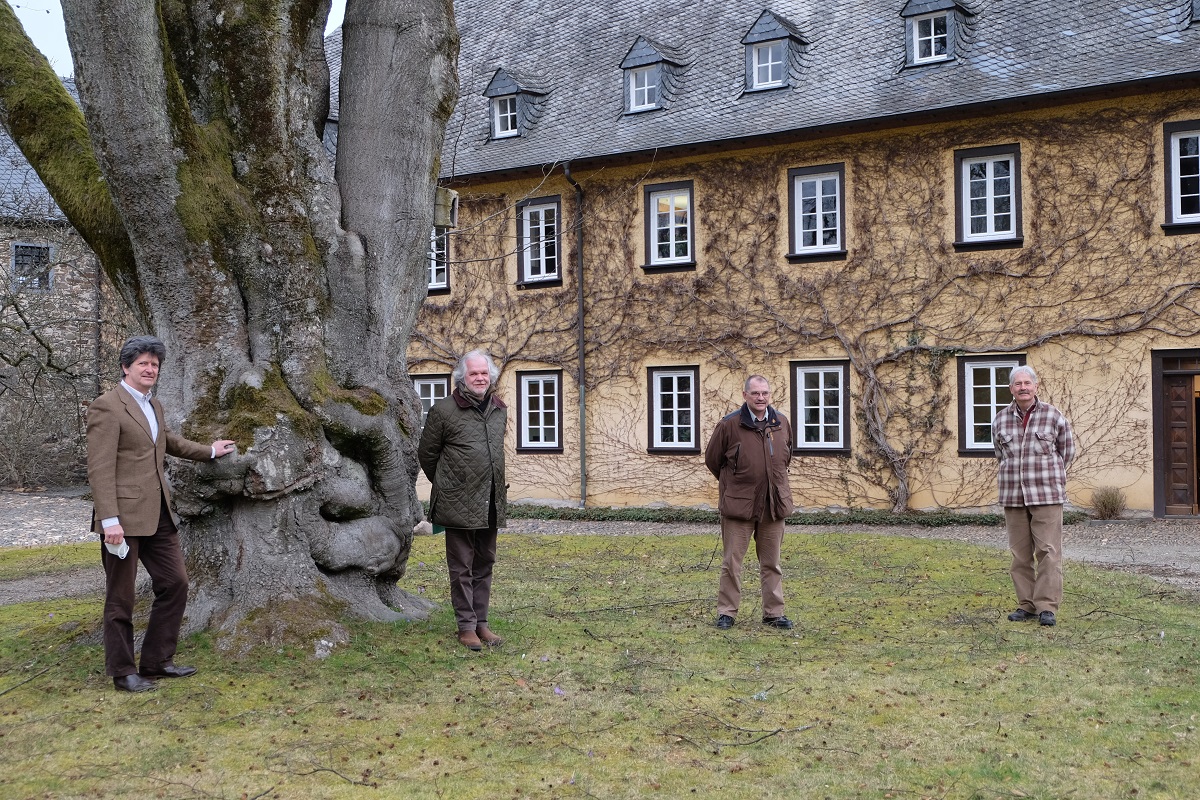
[
  {"x": 749, "y": 453},
  {"x": 127, "y": 443}
]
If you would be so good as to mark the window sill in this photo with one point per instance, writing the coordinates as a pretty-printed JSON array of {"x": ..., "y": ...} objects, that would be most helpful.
[
  {"x": 821, "y": 451},
  {"x": 673, "y": 451},
  {"x": 773, "y": 87},
  {"x": 433, "y": 291},
  {"x": 527, "y": 449},
  {"x": 548, "y": 283},
  {"x": 1176, "y": 228},
  {"x": 964, "y": 453},
  {"x": 684, "y": 266},
  {"x": 991, "y": 244},
  {"x": 929, "y": 62},
  {"x": 823, "y": 255}
]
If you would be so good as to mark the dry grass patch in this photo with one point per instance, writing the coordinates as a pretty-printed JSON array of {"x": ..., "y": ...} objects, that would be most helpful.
[{"x": 903, "y": 679}]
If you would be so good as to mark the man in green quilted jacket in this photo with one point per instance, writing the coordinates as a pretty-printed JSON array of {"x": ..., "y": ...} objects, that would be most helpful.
[{"x": 462, "y": 454}]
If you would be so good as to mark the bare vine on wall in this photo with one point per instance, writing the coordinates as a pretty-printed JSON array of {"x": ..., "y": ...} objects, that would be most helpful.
[{"x": 1091, "y": 281}]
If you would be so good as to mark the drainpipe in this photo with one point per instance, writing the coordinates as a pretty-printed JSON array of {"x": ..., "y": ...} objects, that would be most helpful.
[{"x": 580, "y": 344}]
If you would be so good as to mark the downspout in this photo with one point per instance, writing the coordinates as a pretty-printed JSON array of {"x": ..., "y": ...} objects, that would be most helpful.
[{"x": 580, "y": 343}]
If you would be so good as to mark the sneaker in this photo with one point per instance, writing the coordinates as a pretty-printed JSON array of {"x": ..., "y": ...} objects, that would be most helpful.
[
  {"x": 783, "y": 623},
  {"x": 724, "y": 622},
  {"x": 1020, "y": 615},
  {"x": 1047, "y": 618}
]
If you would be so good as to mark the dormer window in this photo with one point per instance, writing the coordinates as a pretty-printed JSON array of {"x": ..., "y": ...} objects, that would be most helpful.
[
  {"x": 652, "y": 75},
  {"x": 643, "y": 88},
  {"x": 504, "y": 117},
  {"x": 771, "y": 44},
  {"x": 769, "y": 60},
  {"x": 931, "y": 38},
  {"x": 931, "y": 27},
  {"x": 516, "y": 102}
]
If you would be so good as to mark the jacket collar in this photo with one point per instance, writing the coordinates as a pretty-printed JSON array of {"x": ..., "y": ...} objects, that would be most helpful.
[
  {"x": 464, "y": 402},
  {"x": 747, "y": 419}
]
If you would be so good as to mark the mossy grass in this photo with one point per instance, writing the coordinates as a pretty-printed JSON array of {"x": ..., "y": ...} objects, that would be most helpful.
[
  {"x": 33, "y": 561},
  {"x": 902, "y": 679}
]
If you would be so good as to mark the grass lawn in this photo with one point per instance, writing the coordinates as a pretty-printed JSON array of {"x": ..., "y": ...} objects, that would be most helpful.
[{"x": 903, "y": 679}]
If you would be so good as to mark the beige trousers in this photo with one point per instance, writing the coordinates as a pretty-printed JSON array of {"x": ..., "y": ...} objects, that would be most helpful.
[
  {"x": 1035, "y": 539},
  {"x": 768, "y": 538}
]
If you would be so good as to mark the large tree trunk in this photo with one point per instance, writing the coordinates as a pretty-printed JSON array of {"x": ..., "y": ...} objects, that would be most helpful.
[{"x": 285, "y": 297}]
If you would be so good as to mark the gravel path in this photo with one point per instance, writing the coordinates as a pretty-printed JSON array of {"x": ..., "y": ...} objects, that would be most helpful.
[{"x": 1166, "y": 550}]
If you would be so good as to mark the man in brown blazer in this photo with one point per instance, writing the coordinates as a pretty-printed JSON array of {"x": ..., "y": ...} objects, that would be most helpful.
[{"x": 127, "y": 443}]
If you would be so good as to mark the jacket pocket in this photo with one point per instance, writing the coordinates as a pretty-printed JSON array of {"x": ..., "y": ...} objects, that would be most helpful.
[
  {"x": 129, "y": 492},
  {"x": 731, "y": 456},
  {"x": 1045, "y": 443}
]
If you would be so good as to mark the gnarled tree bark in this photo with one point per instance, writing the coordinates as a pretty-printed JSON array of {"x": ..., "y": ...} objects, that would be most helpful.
[{"x": 285, "y": 291}]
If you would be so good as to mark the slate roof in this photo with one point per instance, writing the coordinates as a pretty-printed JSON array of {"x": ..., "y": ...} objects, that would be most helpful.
[
  {"x": 23, "y": 196},
  {"x": 853, "y": 67}
]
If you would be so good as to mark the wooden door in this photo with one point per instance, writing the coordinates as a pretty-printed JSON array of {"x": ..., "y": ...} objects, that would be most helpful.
[{"x": 1180, "y": 462}]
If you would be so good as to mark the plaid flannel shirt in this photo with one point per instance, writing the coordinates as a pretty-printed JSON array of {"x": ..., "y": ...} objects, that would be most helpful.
[{"x": 1033, "y": 456}]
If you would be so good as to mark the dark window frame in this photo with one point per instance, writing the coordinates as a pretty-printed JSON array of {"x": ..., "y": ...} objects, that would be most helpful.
[
  {"x": 795, "y": 255},
  {"x": 656, "y": 68},
  {"x": 798, "y": 445},
  {"x": 523, "y": 279},
  {"x": 1017, "y": 239},
  {"x": 438, "y": 290},
  {"x": 1171, "y": 226},
  {"x": 441, "y": 377},
  {"x": 41, "y": 283},
  {"x": 910, "y": 39},
  {"x": 648, "y": 192},
  {"x": 964, "y": 398},
  {"x": 651, "y": 407},
  {"x": 521, "y": 447}
]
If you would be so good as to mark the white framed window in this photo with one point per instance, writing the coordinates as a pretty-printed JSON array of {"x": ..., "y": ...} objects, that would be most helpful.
[
  {"x": 504, "y": 117},
  {"x": 1183, "y": 172},
  {"x": 539, "y": 412},
  {"x": 643, "y": 88},
  {"x": 768, "y": 64},
  {"x": 430, "y": 389},
  {"x": 817, "y": 222},
  {"x": 674, "y": 409},
  {"x": 439, "y": 259},
  {"x": 982, "y": 391},
  {"x": 538, "y": 249},
  {"x": 931, "y": 38},
  {"x": 31, "y": 267},
  {"x": 988, "y": 186},
  {"x": 821, "y": 406},
  {"x": 669, "y": 225}
]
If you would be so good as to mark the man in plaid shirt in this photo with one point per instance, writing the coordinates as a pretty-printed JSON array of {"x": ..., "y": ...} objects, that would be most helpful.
[{"x": 1034, "y": 444}]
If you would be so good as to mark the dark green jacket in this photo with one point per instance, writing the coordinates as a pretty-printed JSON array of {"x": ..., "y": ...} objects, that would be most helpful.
[{"x": 462, "y": 454}]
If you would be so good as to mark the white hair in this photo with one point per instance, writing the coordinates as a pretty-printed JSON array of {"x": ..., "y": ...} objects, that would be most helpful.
[
  {"x": 460, "y": 369},
  {"x": 1023, "y": 369}
]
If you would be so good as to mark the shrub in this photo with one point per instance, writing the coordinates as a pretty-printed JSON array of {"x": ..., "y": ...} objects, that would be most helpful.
[{"x": 1108, "y": 502}]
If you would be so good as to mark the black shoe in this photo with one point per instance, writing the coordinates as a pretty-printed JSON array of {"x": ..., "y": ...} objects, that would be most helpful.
[
  {"x": 169, "y": 671},
  {"x": 783, "y": 623},
  {"x": 1020, "y": 615},
  {"x": 133, "y": 683},
  {"x": 724, "y": 622},
  {"x": 1047, "y": 618}
]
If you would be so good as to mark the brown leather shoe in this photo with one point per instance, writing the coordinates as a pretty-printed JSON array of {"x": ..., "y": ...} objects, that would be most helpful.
[
  {"x": 168, "y": 671},
  {"x": 133, "y": 683},
  {"x": 470, "y": 640},
  {"x": 487, "y": 637}
]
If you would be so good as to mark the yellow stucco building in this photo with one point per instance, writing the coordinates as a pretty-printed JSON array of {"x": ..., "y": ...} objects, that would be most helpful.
[{"x": 882, "y": 209}]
